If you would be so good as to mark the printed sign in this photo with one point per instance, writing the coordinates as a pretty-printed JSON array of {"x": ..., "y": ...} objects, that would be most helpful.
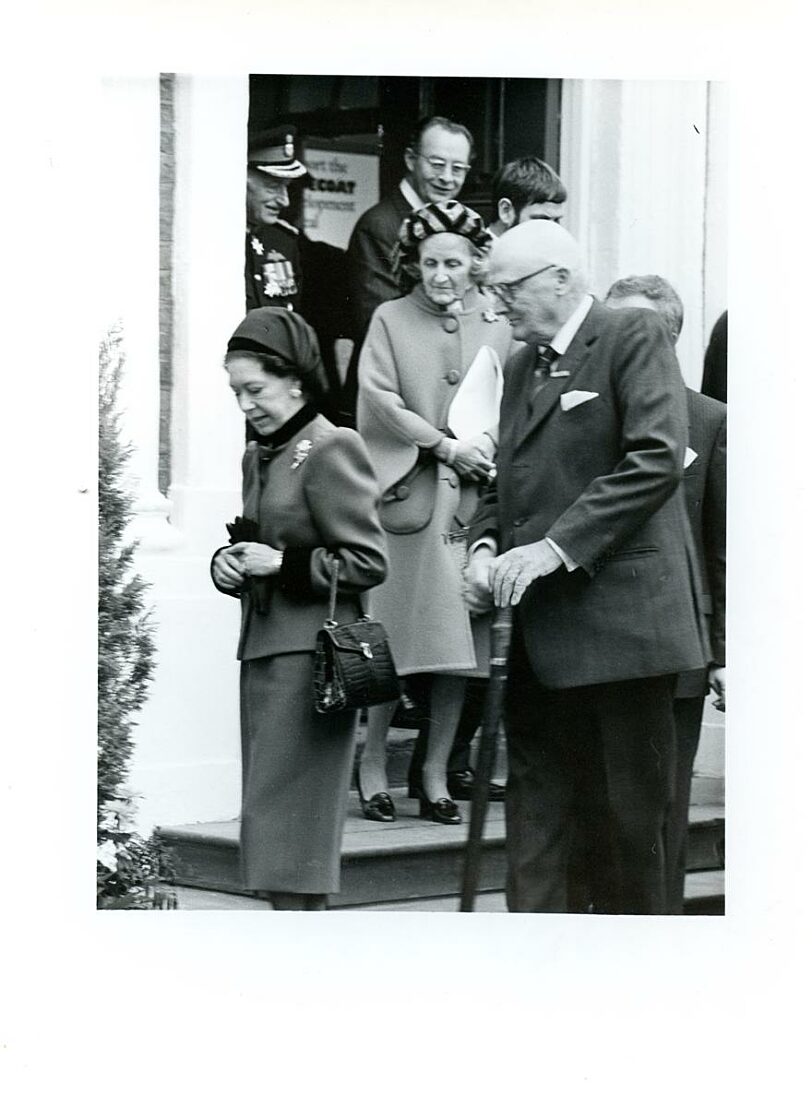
[{"x": 343, "y": 186}]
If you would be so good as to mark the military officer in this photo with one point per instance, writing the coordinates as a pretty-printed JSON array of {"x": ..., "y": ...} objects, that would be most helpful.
[{"x": 273, "y": 270}]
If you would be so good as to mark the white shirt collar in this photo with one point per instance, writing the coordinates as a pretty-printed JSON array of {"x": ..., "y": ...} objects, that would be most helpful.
[
  {"x": 410, "y": 196},
  {"x": 566, "y": 334}
]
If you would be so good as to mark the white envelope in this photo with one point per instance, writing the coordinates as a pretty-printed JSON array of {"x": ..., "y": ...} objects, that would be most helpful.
[
  {"x": 690, "y": 455},
  {"x": 572, "y": 399},
  {"x": 475, "y": 407}
]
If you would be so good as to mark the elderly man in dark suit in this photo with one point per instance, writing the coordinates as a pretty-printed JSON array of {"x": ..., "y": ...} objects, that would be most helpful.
[
  {"x": 437, "y": 162},
  {"x": 585, "y": 536},
  {"x": 705, "y": 487}
]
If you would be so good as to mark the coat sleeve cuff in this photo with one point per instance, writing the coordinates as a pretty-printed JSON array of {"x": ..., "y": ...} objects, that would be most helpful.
[{"x": 295, "y": 579}]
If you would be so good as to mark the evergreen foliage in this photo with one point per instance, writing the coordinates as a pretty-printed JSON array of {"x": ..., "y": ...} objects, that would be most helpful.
[{"x": 128, "y": 867}]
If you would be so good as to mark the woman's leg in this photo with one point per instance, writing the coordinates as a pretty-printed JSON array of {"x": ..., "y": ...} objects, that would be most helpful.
[
  {"x": 372, "y": 765},
  {"x": 447, "y": 695}
]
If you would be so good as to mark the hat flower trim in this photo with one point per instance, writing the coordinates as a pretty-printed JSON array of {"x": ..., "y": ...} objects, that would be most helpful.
[{"x": 300, "y": 452}]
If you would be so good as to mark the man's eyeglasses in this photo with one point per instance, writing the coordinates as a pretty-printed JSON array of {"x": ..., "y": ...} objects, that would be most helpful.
[
  {"x": 438, "y": 165},
  {"x": 506, "y": 291}
]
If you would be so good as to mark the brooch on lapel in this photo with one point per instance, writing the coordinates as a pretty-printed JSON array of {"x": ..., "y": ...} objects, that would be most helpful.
[
  {"x": 301, "y": 450},
  {"x": 490, "y": 316},
  {"x": 256, "y": 245}
]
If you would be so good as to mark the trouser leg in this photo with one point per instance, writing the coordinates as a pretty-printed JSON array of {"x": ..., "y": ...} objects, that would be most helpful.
[
  {"x": 473, "y": 708},
  {"x": 637, "y": 737},
  {"x": 540, "y": 790},
  {"x": 688, "y": 722}
]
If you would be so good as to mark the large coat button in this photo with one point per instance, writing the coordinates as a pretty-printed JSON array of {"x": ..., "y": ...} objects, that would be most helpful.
[
  {"x": 402, "y": 492},
  {"x": 452, "y": 376},
  {"x": 451, "y": 324}
]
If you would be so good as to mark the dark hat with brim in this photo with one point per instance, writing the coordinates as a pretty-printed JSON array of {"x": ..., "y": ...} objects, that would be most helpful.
[{"x": 272, "y": 152}]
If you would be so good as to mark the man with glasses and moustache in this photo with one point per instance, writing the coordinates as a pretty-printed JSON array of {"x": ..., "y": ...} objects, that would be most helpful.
[
  {"x": 583, "y": 534},
  {"x": 437, "y": 161}
]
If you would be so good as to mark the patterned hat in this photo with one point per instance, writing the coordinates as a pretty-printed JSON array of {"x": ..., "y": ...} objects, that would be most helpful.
[
  {"x": 449, "y": 217},
  {"x": 272, "y": 152}
]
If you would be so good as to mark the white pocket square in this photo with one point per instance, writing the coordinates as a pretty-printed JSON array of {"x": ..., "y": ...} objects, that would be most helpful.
[
  {"x": 572, "y": 399},
  {"x": 690, "y": 455}
]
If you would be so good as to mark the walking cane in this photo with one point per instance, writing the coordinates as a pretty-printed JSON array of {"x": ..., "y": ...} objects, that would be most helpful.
[{"x": 500, "y": 642}]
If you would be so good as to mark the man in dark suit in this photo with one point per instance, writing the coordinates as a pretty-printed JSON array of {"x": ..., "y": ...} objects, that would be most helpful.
[
  {"x": 714, "y": 373},
  {"x": 437, "y": 162},
  {"x": 705, "y": 487},
  {"x": 584, "y": 535}
]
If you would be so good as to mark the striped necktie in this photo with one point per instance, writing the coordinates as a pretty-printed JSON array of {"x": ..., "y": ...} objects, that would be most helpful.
[{"x": 545, "y": 357}]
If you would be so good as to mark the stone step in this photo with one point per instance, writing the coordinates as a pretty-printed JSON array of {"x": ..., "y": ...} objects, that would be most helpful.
[
  {"x": 401, "y": 861},
  {"x": 704, "y": 895}
]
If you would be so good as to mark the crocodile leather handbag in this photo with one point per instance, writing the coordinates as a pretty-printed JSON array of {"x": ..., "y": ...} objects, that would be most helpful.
[{"x": 353, "y": 666}]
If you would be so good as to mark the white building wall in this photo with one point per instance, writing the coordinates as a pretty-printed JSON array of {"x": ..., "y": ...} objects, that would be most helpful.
[
  {"x": 186, "y": 764},
  {"x": 646, "y": 195}
]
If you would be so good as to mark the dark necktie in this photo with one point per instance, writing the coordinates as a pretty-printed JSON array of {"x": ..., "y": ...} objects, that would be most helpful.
[{"x": 545, "y": 357}]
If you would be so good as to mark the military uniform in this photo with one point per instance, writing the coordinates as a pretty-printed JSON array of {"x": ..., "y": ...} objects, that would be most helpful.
[{"x": 273, "y": 268}]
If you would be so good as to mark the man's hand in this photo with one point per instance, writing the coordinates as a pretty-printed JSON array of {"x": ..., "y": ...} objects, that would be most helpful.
[
  {"x": 477, "y": 594},
  {"x": 716, "y": 678},
  {"x": 256, "y": 559},
  {"x": 226, "y": 571},
  {"x": 511, "y": 573}
]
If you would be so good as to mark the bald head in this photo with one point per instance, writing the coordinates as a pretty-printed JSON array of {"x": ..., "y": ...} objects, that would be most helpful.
[
  {"x": 530, "y": 246},
  {"x": 536, "y": 272}
]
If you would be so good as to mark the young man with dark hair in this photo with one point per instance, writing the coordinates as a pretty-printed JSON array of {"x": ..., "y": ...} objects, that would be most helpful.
[{"x": 526, "y": 188}]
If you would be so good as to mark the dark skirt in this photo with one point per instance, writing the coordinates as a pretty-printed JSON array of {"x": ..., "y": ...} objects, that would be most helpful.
[{"x": 296, "y": 768}]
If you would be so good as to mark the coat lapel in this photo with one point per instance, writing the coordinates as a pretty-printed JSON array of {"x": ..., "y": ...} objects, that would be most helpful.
[{"x": 572, "y": 361}]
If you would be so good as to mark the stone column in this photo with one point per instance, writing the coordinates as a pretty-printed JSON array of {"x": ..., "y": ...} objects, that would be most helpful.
[
  {"x": 634, "y": 156},
  {"x": 129, "y": 287},
  {"x": 186, "y": 765}
]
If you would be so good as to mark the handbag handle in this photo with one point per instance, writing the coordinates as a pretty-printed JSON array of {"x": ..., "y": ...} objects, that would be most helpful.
[{"x": 331, "y": 612}]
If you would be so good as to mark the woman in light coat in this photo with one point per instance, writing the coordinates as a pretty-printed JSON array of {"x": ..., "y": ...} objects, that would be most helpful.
[
  {"x": 309, "y": 497},
  {"x": 430, "y": 357}
]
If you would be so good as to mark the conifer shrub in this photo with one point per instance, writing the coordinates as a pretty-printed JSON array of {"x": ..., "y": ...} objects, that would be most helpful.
[{"x": 129, "y": 868}]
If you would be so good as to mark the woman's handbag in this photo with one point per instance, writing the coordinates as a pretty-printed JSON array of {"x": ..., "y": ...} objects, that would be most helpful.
[
  {"x": 354, "y": 666},
  {"x": 407, "y": 506}
]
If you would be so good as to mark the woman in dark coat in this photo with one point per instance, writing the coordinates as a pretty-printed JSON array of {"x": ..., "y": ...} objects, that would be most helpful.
[{"x": 309, "y": 496}]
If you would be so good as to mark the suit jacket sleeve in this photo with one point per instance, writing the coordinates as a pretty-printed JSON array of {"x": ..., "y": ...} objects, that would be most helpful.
[
  {"x": 714, "y": 528},
  {"x": 649, "y": 396},
  {"x": 371, "y": 281},
  {"x": 485, "y": 522},
  {"x": 342, "y": 495}
]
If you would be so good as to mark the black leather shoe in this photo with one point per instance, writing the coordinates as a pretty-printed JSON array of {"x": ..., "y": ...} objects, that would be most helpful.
[
  {"x": 378, "y": 808},
  {"x": 439, "y": 811},
  {"x": 461, "y": 787}
]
